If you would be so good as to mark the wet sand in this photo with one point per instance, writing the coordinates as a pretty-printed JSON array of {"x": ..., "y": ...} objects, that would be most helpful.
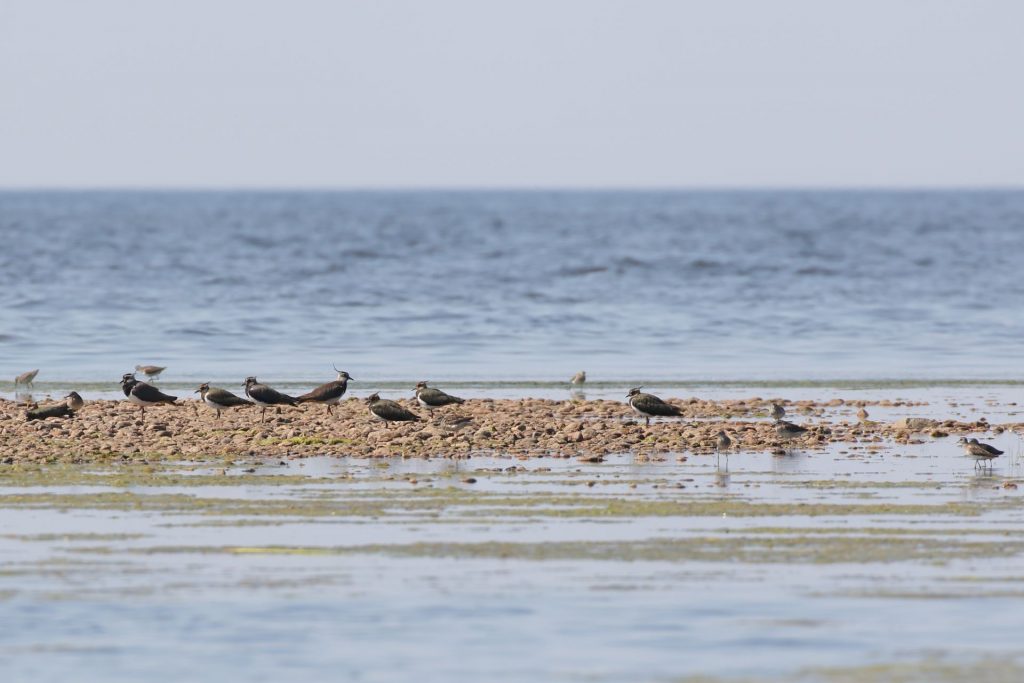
[{"x": 531, "y": 427}]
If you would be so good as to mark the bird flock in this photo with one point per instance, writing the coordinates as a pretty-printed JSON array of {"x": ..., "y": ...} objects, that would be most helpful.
[{"x": 645, "y": 405}]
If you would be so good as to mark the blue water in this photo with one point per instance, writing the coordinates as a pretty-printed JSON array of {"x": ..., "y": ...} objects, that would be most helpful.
[{"x": 512, "y": 285}]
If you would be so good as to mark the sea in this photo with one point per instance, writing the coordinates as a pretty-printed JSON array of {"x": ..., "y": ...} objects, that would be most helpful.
[{"x": 513, "y": 286}]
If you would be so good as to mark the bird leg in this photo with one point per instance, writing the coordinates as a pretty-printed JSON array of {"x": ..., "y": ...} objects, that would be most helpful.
[{"x": 263, "y": 415}]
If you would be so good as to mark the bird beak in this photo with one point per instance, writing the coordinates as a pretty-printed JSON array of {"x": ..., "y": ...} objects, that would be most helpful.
[{"x": 196, "y": 391}]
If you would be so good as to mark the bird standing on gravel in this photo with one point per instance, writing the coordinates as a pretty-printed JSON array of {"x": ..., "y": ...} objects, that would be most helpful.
[
  {"x": 649, "y": 405},
  {"x": 219, "y": 399},
  {"x": 389, "y": 411},
  {"x": 431, "y": 398},
  {"x": 265, "y": 396},
  {"x": 329, "y": 394},
  {"x": 143, "y": 394}
]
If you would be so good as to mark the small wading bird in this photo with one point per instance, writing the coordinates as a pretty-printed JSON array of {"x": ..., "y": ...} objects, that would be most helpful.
[
  {"x": 143, "y": 394},
  {"x": 982, "y": 453},
  {"x": 862, "y": 414},
  {"x": 788, "y": 431},
  {"x": 26, "y": 378},
  {"x": 219, "y": 399},
  {"x": 265, "y": 396},
  {"x": 431, "y": 398},
  {"x": 150, "y": 371},
  {"x": 329, "y": 394},
  {"x": 389, "y": 411},
  {"x": 67, "y": 408},
  {"x": 777, "y": 412},
  {"x": 649, "y": 405},
  {"x": 579, "y": 378},
  {"x": 722, "y": 443}
]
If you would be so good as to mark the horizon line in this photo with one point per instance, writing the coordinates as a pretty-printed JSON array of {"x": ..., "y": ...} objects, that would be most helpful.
[{"x": 10, "y": 189}]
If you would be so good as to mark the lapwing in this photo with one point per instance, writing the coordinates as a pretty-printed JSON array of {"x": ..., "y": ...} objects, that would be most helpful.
[
  {"x": 265, "y": 396},
  {"x": 150, "y": 371},
  {"x": 26, "y": 378},
  {"x": 788, "y": 431},
  {"x": 67, "y": 408},
  {"x": 431, "y": 398},
  {"x": 579, "y": 378},
  {"x": 389, "y": 411},
  {"x": 143, "y": 394},
  {"x": 329, "y": 394},
  {"x": 982, "y": 453},
  {"x": 219, "y": 399},
  {"x": 649, "y": 405}
]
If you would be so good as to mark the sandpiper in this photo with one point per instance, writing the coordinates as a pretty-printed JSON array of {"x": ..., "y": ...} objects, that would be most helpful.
[
  {"x": 329, "y": 394},
  {"x": 777, "y": 412},
  {"x": 579, "y": 378},
  {"x": 265, "y": 396},
  {"x": 788, "y": 431},
  {"x": 649, "y": 405},
  {"x": 143, "y": 394},
  {"x": 431, "y": 398},
  {"x": 982, "y": 453},
  {"x": 219, "y": 399},
  {"x": 862, "y": 414},
  {"x": 722, "y": 443},
  {"x": 150, "y": 371},
  {"x": 75, "y": 401},
  {"x": 67, "y": 408},
  {"x": 26, "y": 377},
  {"x": 389, "y": 411}
]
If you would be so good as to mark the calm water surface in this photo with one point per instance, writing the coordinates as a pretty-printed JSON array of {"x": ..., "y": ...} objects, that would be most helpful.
[{"x": 510, "y": 285}]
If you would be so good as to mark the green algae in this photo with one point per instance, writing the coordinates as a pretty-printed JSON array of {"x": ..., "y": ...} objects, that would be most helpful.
[
  {"x": 384, "y": 502},
  {"x": 733, "y": 548}
]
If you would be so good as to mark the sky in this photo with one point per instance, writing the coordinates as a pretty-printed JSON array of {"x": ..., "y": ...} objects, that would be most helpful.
[{"x": 516, "y": 94}]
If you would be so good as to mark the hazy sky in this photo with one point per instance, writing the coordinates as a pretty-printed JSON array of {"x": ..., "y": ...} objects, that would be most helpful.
[{"x": 524, "y": 93}]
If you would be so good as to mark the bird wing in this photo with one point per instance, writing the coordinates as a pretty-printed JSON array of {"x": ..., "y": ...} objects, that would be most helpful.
[
  {"x": 226, "y": 398},
  {"x": 270, "y": 396},
  {"x": 150, "y": 394},
  {"x": 436, "y": 397},
  {"x": 652, "y": 405},
  {"x": 56, "y": 410},
  {"x": 389, "y": 410},
  {"x": 324, "y": 392}
]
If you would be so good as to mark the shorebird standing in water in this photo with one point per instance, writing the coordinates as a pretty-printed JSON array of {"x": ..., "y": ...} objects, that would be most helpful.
[
  {"x": 982, "y": 453},
  {"x": 26, "y": 378},
  {"x": 649, "y": 405},
  {"x": 265, "y": 396},
  {"x": 862, "y": 414},
  {"x": 579, "y": 378},
  {"x": 219, "y": 399},
  {"x": 431, "y": 398},
  {"x": 787, "y": 431},
  {"x": 389, "y": 411},
  {"x": 72, "y": 402},
  {"x": 329, "y": 394},
  {"x": 777, "y": 412},
  {"x": 722, "y": 443},
  {"x": 143, "y": 394},
  {"x": 150, "y": 371}
]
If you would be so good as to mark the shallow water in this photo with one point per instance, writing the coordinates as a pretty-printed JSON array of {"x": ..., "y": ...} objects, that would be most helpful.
[
  {"x": 512, "y": 285},
  {"x": 636, "y": 568}
]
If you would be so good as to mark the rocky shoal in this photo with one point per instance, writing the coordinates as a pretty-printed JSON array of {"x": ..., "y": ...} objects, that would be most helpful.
[{"x": 103, "y": 430}]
